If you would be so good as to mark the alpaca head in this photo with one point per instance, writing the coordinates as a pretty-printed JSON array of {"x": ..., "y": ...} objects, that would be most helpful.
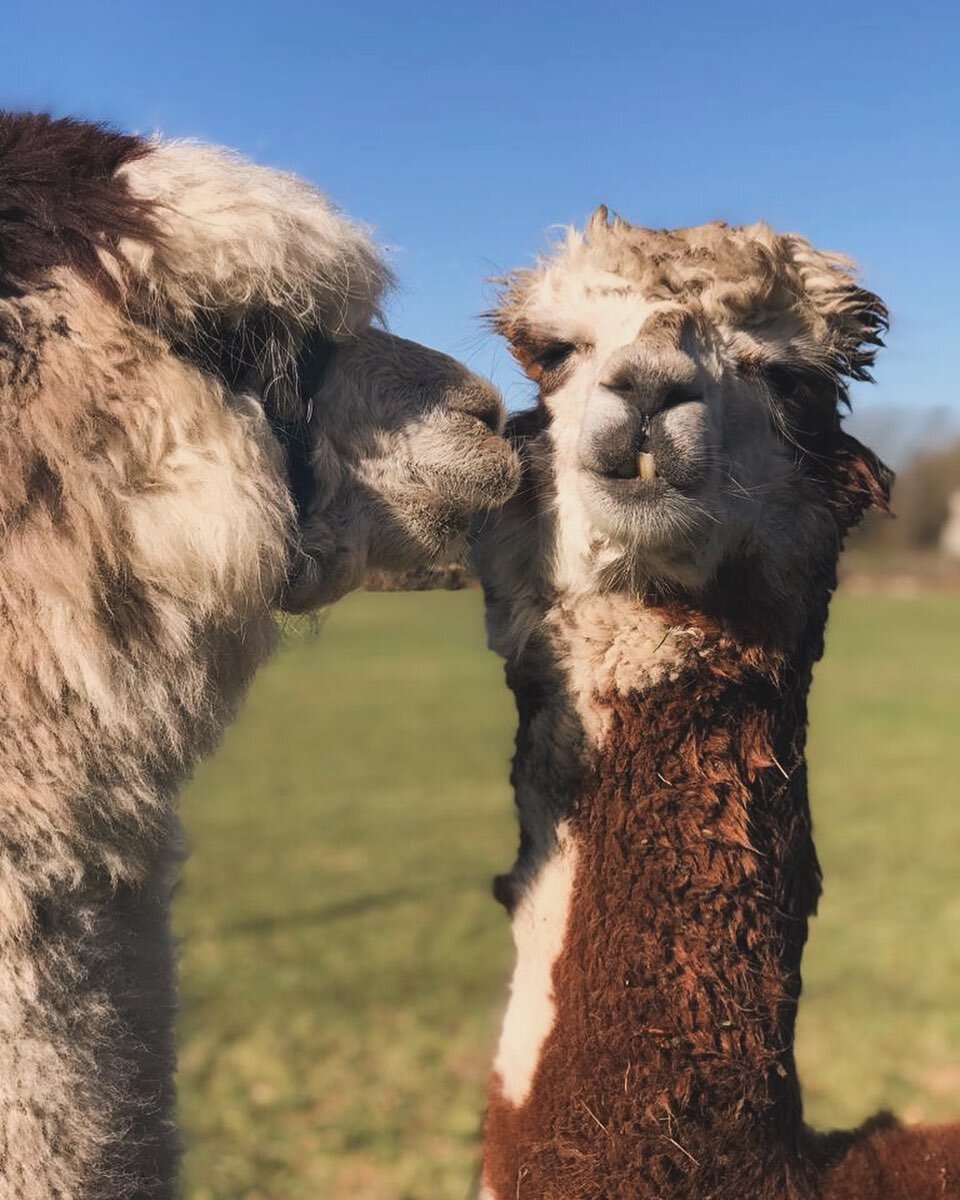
[
  {"x": 252, "y": 274},
  {"x": 206, "y": 424},
  {"x": 404, "y": 445},
  {"x": 691, "y": 383}
]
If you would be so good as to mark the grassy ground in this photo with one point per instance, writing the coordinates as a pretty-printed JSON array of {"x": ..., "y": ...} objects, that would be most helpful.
[{"x": 343, "y": 965}]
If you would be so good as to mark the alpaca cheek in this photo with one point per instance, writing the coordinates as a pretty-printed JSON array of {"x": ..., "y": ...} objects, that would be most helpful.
[
  {"x": 211, "y": 527},
  {"x": 539, "y": 931}
]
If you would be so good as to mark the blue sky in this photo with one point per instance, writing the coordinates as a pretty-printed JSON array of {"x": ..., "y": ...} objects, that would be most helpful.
[{"x": 464, "y": 131}]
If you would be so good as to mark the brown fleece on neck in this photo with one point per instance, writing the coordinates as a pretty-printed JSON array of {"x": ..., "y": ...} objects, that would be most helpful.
[
  {"x": 676, "y": 990},
  {"x": 669, "y": 1072},
  {"x": 884, "y": 1161}
]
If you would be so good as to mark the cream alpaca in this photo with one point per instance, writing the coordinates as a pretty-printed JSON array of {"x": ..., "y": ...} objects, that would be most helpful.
[{"x": 184, "y": 343}]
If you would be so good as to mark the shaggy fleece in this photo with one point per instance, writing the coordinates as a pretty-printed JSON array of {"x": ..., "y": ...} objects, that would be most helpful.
[{"x": 170, "y": 317}]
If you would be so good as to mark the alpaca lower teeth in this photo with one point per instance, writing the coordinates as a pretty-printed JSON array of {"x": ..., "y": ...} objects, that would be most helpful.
[{"x": 646, "y": 467}]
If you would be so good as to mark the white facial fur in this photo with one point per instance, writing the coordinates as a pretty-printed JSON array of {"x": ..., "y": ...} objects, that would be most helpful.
[
  {"x": 614, "y": 529},
  {"x": 677, "y": 370}
]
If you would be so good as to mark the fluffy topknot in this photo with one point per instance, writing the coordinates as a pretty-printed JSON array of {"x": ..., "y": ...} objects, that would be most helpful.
[{"x": 796, "y": 305}]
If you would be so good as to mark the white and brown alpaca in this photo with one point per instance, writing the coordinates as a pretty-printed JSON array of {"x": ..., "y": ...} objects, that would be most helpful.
[
  {"x": 198, "y": 425},
  {"x": 659, "y": 587}
]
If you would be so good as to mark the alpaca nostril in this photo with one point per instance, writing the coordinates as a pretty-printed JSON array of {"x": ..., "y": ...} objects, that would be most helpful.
[
  {"x": 482, "y": 402},
  {"x": 675, "y": 396}
]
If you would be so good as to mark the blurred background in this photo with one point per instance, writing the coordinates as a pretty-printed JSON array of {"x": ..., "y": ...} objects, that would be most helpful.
[{"x": 344, "y": 966}]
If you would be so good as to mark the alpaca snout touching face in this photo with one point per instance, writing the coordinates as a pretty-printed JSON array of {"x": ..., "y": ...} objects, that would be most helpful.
[
  {"x": 671, "y": 366},
  {"x": 390, "y": 447},
  {"x": 405, "y": 444}
]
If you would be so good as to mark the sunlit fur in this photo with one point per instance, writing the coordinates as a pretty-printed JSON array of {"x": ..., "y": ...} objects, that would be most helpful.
[
  {"x": 237, "y": 237},
  {"x": 152, "y": 318}
]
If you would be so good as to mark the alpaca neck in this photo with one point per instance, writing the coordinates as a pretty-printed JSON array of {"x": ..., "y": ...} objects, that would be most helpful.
[{"x": 660, "y": 906}]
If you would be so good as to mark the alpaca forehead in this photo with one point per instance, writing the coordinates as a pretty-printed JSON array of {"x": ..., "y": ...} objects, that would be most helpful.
[
  {"x": 606, "y": 317},
  {"x": 592, "y": 307},
  {"x": 601, "y": 285}
]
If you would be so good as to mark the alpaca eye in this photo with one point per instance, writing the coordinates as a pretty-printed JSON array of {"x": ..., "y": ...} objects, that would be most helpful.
[
  {"x": 792, "y": 382},
  {"x": 553, "y": 355},
  {"x": 779, "y": 379}
]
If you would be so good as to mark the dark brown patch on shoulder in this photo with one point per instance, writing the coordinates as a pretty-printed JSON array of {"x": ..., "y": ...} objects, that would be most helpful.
[
  {"x": 885, "y": 1161},
  {"x": 61, "y": 202},
  {"x": 549, "y": 767}
]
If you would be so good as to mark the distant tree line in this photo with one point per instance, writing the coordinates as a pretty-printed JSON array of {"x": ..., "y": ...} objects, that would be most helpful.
[{"x": 921, "y": 500}]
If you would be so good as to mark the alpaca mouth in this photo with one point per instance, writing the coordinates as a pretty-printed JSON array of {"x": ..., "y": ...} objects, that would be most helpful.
[
  {"x": 640, "y": 478},
  {"x": 634, "y": 454},
  {"x": 638, "y": 466},
  {"x": 651, "y": 473},
  {"x": 651, "y": 502},
  {"x": 633, "y": 489}
]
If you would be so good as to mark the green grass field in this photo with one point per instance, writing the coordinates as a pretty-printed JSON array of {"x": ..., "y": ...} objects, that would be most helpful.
[{"x": 344, "y": 966}]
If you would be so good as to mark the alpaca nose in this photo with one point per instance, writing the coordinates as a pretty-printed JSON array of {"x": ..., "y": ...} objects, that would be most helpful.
[
  {"x": 652, "y": 396},
  {"x": 642, "y": 426}
]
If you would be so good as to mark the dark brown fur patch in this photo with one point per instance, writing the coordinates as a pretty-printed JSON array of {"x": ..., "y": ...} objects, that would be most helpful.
[
  {"x": 125, "y": 609},
  {"x": 861, "y": 480},
  {"x": 61, "y": 202},
  {"x": 888, "y": 1162}
]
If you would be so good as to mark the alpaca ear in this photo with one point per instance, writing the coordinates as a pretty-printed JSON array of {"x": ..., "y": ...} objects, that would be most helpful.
[
  {"x": 599, "y": 220},
  {"x": 852, "y": 320},
  {"x": 859, "y": 480},
  {"x": 845, "y": 328}
]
